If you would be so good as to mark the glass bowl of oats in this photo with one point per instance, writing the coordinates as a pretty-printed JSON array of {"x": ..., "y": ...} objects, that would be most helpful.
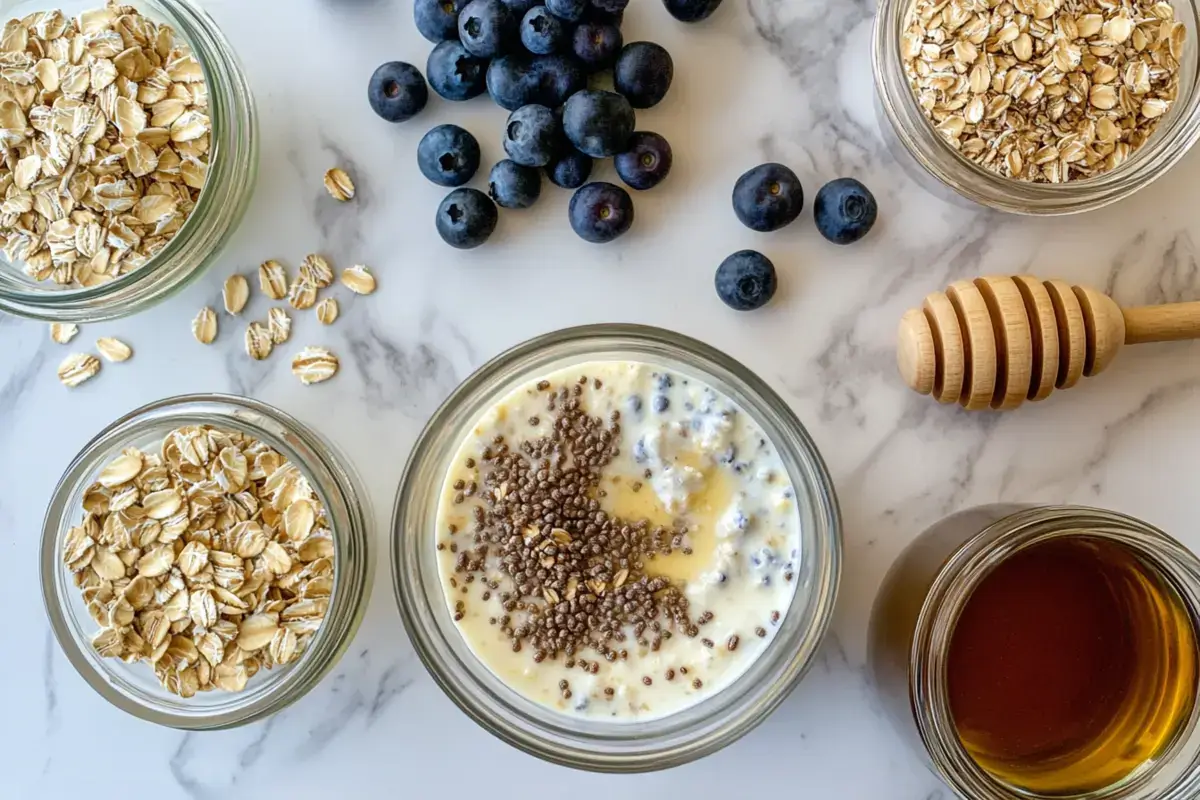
[
  {"x": 616, "y": 548},
  {"x": 1038, "y": 107},
  {"x": 205, "y": 561},
  {"x": 131, "y": 154}
]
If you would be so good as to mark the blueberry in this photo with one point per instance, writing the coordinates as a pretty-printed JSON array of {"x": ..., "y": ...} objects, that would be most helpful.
[
  {"x": 487, "y": 28},
  {"x": 664, "y": 382},
  {"x": 646, "y": 162},
  {"x": 600, "y": 212},
  {"x": 466, "y": 218},
  {"x": 845, "y": 210},
  {"x": 691, "y": 10},
  {"x": 768, "y": 197},
  {"x": 437, "y": 20},
  {"x": 448, "y": 155},
  {"x": 570, "y": 170},
  {"x": 639, "y": 452},
  {"x": 599, "y": 124},
  {"x": 570, "y": 10},
  {"x": 746, "y": 280},
  {"x": 454, "y": 73},
  {"x": 512, "y": 185},
  {"x": 643, "y": 73},
  {"x": 517, "y": 80},
  {"x": 661, "y": 403},
  {"x": 397, "y": 91},
  {"x": 596, "y": 44},
  {"x": 542, "y": 33},
  {"x": 635, "y": 404},
  {"x": 532, "y": 136}
]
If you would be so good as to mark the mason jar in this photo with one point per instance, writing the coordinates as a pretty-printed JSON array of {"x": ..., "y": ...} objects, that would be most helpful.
[
  {"x": 923, "y": 597},
  {"x": 233, "y": 168},
  {"x": 133, "y": 687}
]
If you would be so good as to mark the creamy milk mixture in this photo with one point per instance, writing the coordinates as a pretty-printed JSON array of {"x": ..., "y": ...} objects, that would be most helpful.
[{"x": 688, "y": 457}]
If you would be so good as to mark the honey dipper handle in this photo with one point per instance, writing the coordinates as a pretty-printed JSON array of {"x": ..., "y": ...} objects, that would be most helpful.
[{"x": 1167, "y": 323}]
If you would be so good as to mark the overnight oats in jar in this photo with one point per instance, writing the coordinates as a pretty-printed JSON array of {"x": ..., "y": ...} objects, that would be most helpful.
[
  {"x": 616, "y": 548},
  {"x": 618, "y": 540}
]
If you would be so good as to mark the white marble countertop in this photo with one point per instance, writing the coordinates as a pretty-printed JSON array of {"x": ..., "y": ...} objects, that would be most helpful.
[{"x": 785, "y": 80}]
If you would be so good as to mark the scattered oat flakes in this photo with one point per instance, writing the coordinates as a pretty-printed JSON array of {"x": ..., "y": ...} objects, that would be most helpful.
[
  {"x": 339, "y": 185},
  {"x": 258, "y": 341},
  {"x": 302, "y": 294},
  {"x": 327, "y": 311},
  {"x": 211, "y": 591},
  {"x": 77, "y": 368},
  {"x": 358, "y": 279},
  {"x": 316, "y": 270},
  {"x": 273, "y": 279},
  {"x": 63, "y": 332},
  {"x": 279, "y": 324},
  {"x": 1044, "y": 90},
  {"x": 104, "y": 122},
  {"x": 204, "y": 326},
  {"x": 314, "y": 365},
  {"x": 113, "y": 349},
  {"x": 235, "y": 293}
]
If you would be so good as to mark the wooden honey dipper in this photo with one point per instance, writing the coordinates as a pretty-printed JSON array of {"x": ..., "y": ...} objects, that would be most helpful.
[{"x": 998, "y": 341}]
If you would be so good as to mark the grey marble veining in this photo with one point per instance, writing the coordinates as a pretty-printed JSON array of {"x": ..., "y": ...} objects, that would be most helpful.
[{"x": 765, "y": 79}]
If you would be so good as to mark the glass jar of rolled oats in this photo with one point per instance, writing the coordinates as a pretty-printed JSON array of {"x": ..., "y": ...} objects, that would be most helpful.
[
  {"x": 162, "y": 154},
  {"x": 205, "y": 561},
  {"x": 1106, "y": 96}
]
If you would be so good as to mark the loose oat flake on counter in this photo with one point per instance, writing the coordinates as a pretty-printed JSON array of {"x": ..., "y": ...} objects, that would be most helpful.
[
  {"x": 327, "y": 311},
  {"x": 339, "y": 185},
  {"x": 114, "y": 349},
  {"x": 77, "y": 368},
  {"x": 204, "y": 326},
  {"x": 235, "y": 293},
  {"x": 104, "y": 118},
  {"x": 209, "y": 559},
  {"x": 1044, "y": 90},
  {"x": 314, "y": 365},
  {"x": 63, "y": 332}
]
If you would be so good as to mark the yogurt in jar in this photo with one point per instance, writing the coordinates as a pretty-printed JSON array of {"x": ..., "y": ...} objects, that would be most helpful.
[{"x": 664, "y": 577}]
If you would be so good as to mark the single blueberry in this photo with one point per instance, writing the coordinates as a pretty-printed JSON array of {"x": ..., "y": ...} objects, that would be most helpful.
[
  {"x": 454, "y": 73},
  {"x": 466, "y": 218},
  {"x": 768, "y": 197},
  {"x": 599, "y": 124},
  {"x": 570, "y": 10},
  {"x": 437, "y": 20},
  {"x": 448, "y": 155},
  {"x": 487, "y": 28},
  {"x": 665, "y": 382},
  {"x": 596, "y": 44},
  {"x": 691, "y": 10},
  {"x": 646, "y": 162},
  {"x": 542, "y": 33},
  {"x": 643, "y": 73},
  {"x": 512, "y": 185},
  {"x": 517, "y": 80},
  {"x": 558, "y": 77},
  {"x": 570, "y": 170},
  {"x": 661, "y": 403},
  {"x": 600, "y": 212},
  {"x": 639, "y": 451},
  {"x": 635, "y": 404},
  {"x": 746, "y": 280},
  {"x": 532, "y": 135},
  {"x": 845, "y": 211},
  {"x": 397, "y": 91}
]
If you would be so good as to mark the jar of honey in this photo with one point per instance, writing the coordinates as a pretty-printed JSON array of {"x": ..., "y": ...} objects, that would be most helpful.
[{"x": 1044, "y": 652}]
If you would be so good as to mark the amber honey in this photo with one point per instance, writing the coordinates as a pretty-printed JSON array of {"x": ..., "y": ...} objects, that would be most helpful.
[{"x": 1072, "y": 664}]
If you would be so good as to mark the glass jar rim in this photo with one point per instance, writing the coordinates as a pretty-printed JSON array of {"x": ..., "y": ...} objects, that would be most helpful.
[
  {"x": 233, "y": 165},
  {"x": 335, "y": 483},
  {"x": 1177, "y": 133},
  {"x": 962, "y": 572},
  {"x": 556, "y": 737}
]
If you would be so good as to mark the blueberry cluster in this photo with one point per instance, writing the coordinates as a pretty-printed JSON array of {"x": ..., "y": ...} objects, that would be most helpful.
[
  {"x": 534, "y": 59},
  {"x": 770, "y": 197}
]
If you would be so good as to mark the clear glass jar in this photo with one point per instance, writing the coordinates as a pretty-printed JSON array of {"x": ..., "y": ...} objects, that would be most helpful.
[
  {"x": 920, "y": 602},
  {"x": 589, "y": 744},
  {"x": 233, "y": 167},
  {"x": 933, "y": 163},
  {"x": 133, "y": 687}
]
